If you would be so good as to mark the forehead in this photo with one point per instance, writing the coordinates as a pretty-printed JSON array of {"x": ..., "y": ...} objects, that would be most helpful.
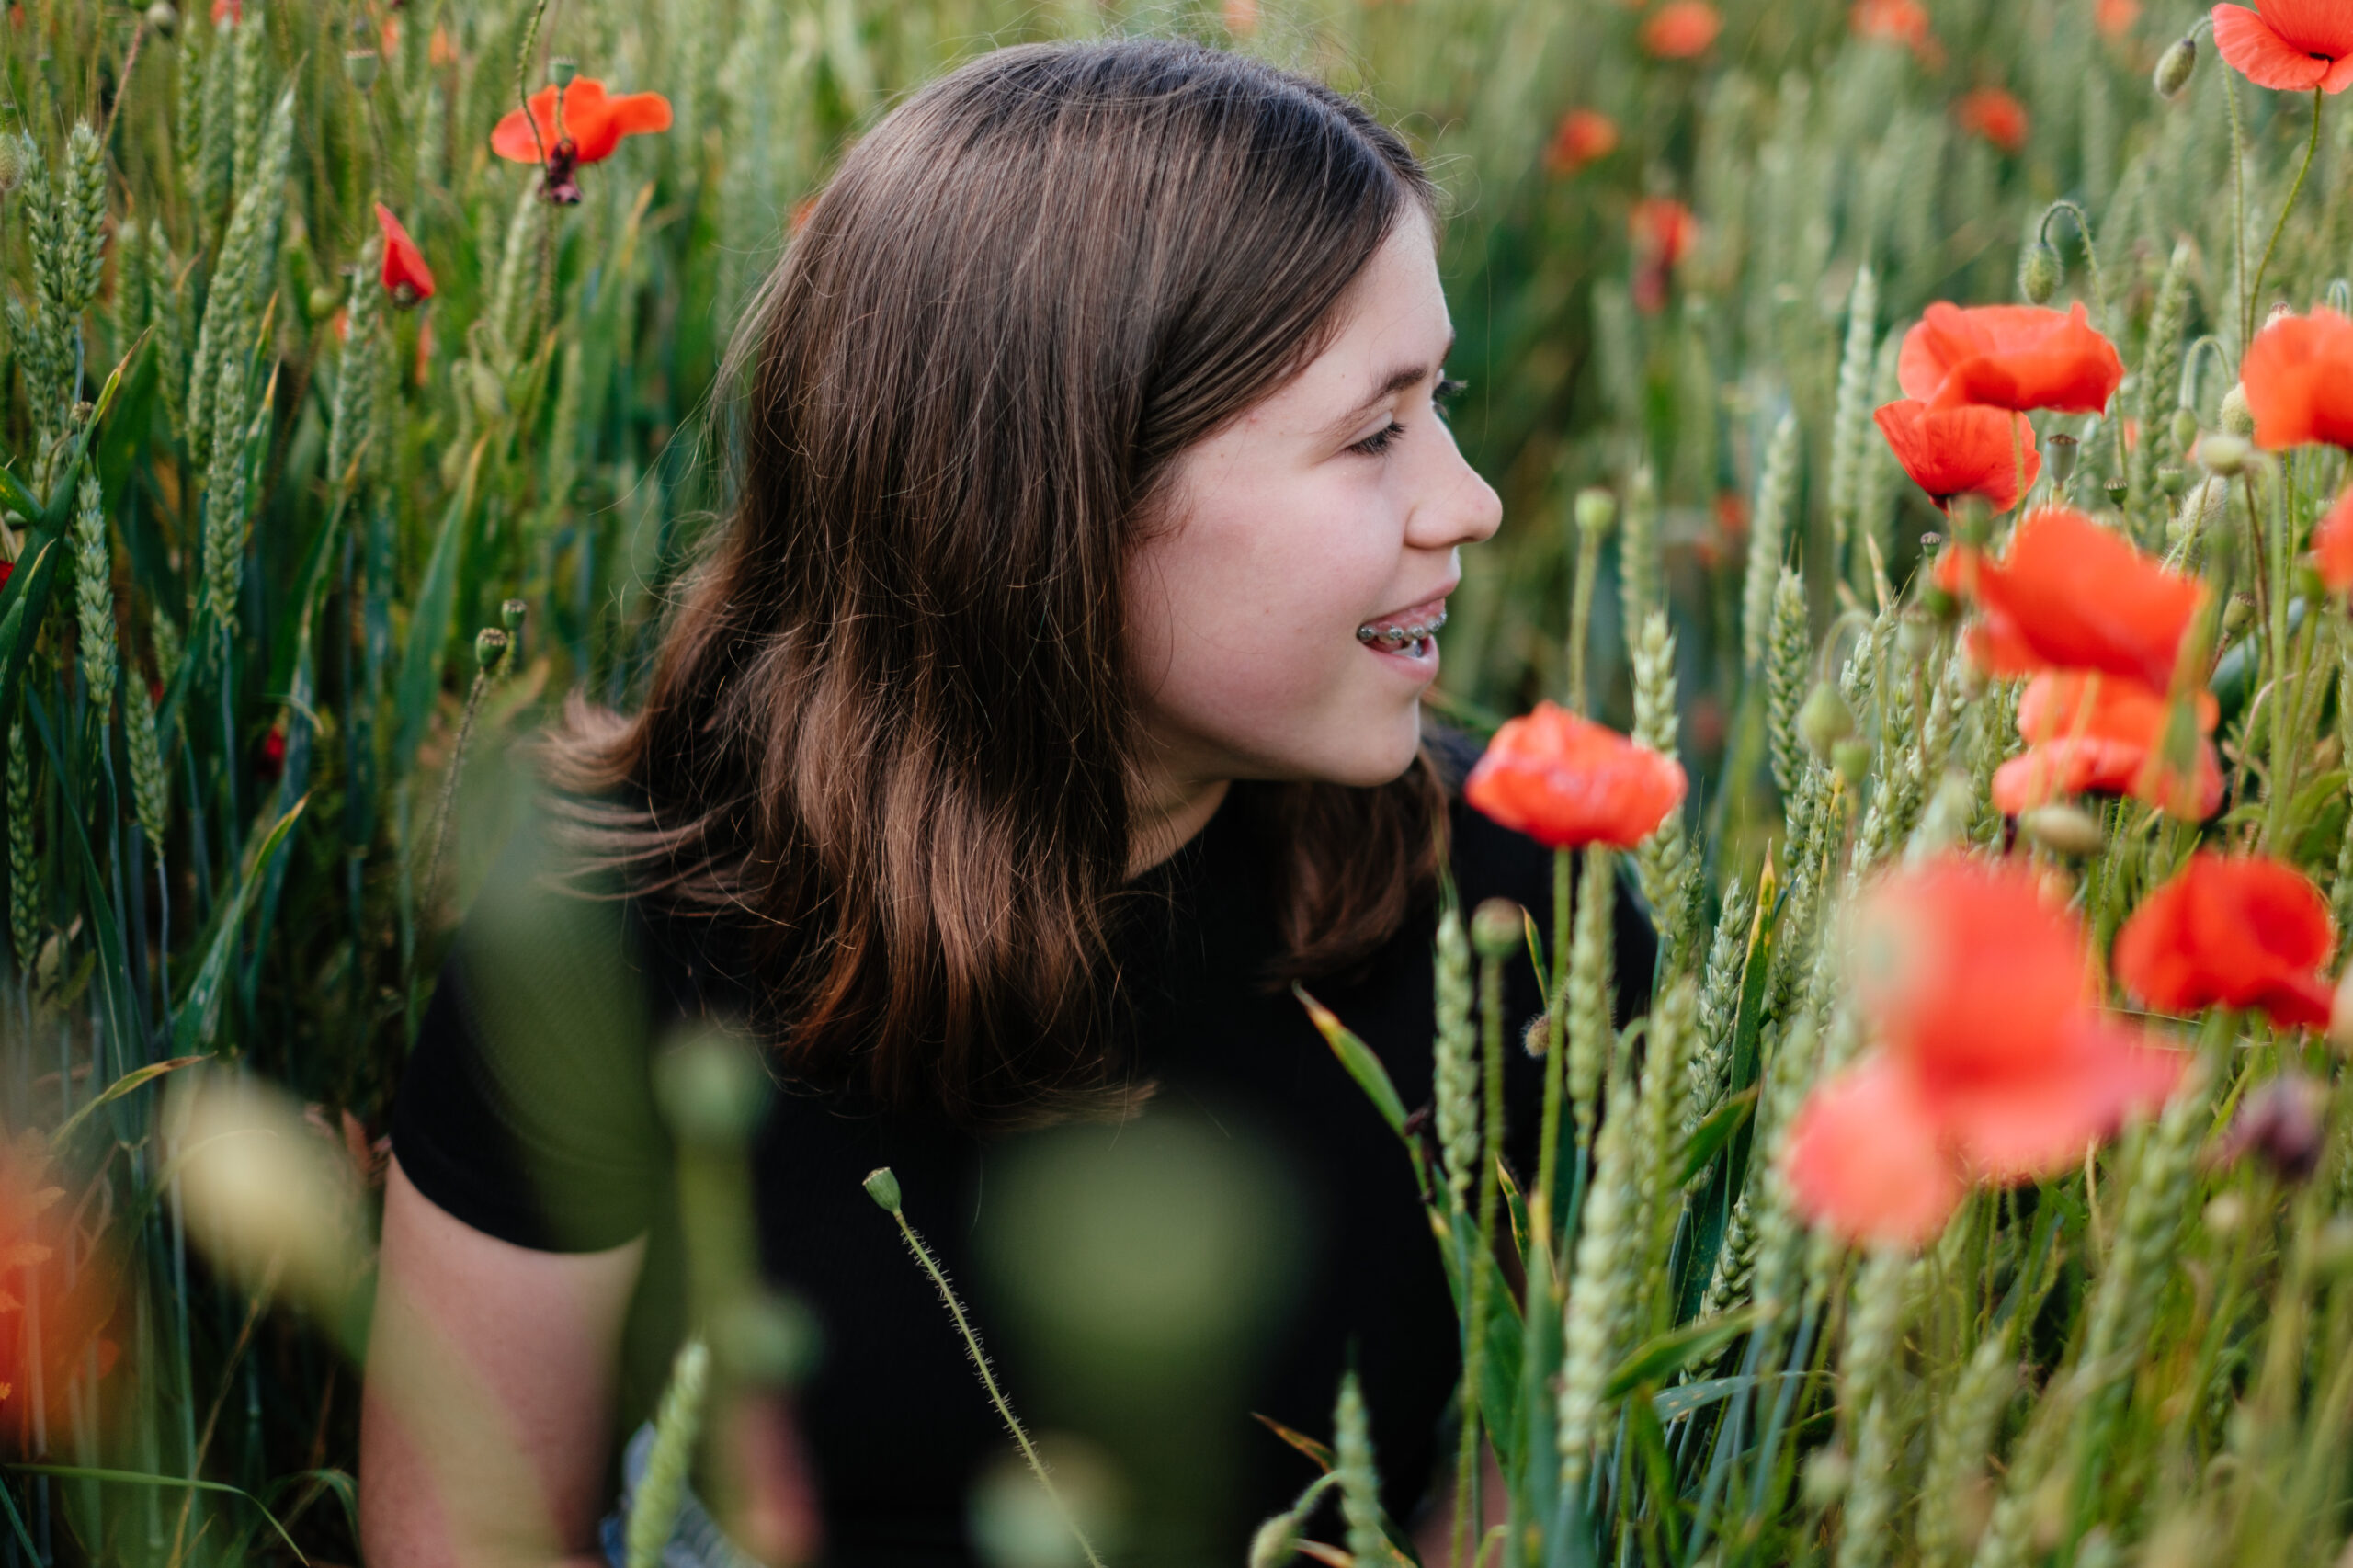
[{"x": 1394, "y": 311}]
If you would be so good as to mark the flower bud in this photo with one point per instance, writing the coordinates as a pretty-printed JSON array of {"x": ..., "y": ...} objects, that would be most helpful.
[
  {"x": 1596, "y": 509},
  {"x": 489, "y": 393},
  {"x": 359, "y": 64},
  {"x": 562, "y": 69},
  {"x": 2283, "y": 1122},
  {"x": 2236, "y": 417},
  {"x": 1826, "y": 1474},
  {"x": 1826, "y": 720},
  {"x": 1538, "y": 1037},
  {"x": 2224, "y": 455},
  {"x": 2064, "y": 830},
  {"x": 2173, "y": 67},
  {"x": 163, "y": 18},
  {"x": 2059, "y": 453},
  {"x": 2038, "y": 272},
  {"x": 1497, "y": 927},
  {"x": 711, "y": 1090},
  {"x": 883, "y": 1187},
  {"x": 2185, "y": 428},
  {"x": 1853, "y": 760},
  {"x": 510, "y": 614},
  {"x": 1916, "y": 631},
  {"x": 322, "y": 303},
  {"x": 2225, "y": 1213},
  {"x": 2170, "y": 479},
  {"x": 490, "y": 648},
  {"x": 2333, "y": 1248}
]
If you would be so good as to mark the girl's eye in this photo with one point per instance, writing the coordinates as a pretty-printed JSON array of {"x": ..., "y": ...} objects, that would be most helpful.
[{"x": 1444, "y": 394}]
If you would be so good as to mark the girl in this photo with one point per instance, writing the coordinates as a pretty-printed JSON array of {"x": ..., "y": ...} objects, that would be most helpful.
[{"x": 1049, "y": 705}]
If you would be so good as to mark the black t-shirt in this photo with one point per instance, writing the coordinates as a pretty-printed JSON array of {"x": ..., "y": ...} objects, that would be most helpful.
[{"x": 1147, "y": 1286}]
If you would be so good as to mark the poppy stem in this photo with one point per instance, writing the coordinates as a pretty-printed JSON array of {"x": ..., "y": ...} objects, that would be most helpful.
[
  {"x": 2311, "y": 146},
  {"x": 522, "y": 78},
  {"x": 2238, "y": 208}
]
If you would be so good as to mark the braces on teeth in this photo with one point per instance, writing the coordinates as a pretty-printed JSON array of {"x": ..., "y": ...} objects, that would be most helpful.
[{"x": 1399, "y": 636}]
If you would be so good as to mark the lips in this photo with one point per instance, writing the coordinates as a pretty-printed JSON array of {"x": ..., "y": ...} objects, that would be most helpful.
[{"x": 1424, "y": 613}]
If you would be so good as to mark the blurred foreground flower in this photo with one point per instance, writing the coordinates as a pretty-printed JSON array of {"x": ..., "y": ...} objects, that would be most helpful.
[
  {"x": 1897, "y": 21},
  {"x": 2333, "y": 545},
  {"x": 51, "y": 1315},
  {"x": 1568, "y": 782},
  {"x": 1994, "y": 1063},
  {"x": 2297, "y": 377},
  {"x": 2087, "y": 731},
  {"x": 1961, "y": 452},
  {"x": 2293, "y": 45},
  {"x": 2069, "y": 594},
  {"x": 1996, "y": 114},
  {"x": 2233, "y": 931},
  {"x": 1681, "y": 29},
  {"x": 1583, "y": 136},
  {"x": 2015, "y": 356},
  {"x": 2115, "y": 17},
  {"x": 1663, "y": 230}
]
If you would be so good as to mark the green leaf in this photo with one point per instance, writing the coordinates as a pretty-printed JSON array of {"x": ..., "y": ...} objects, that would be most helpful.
[
  {"x": 1358, "y": 1059},
  {"x": 1674, "y": 1403},
  {"x": 429, "y": 626},
  {"x": 1678, "y": 1349},
  {"x": 22, "y": 599},
  {"x": 116, "y": 1090},
  {"x": 123, "y": 1022},
  {"x": 140, "y": 1478},
  {"x": 1316, "y": 1451},
  {"x": 17, "y": 497},
  {"x": 199, "y": 1009},
  {"x": 1713, "y": 1134},
  {"x": 60, "y": 511}
]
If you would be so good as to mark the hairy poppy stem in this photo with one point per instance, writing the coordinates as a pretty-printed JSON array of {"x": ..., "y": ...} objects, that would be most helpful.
[
  {"x": 2311, "y": 146},
  {"x": 2238, "y": 210}
]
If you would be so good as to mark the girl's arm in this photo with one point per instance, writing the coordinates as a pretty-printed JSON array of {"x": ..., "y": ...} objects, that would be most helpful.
[{"x": 485, "y": 1421}]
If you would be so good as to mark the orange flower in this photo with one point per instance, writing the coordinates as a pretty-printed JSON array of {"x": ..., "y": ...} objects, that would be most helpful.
[
  {"x": 2294, "y": 45},
  {"x": 1663, "y": 230},
  {"x": 439, "y": 50},
  {"x": 593, "y": 122},
  {"x": 1681, "y": 29},
  {"x": 2115, "y": 17},
  {"x": 2017, "y": 356},
  {"x": 404, "y": 274},
  {"x": 1240, "y": 17},
  {"x": 35, "y": 1231},
  {"x": 2086, "y": 731},
  {"x": 2233, "y": 931},
  {"x": 229, "y": 11},
  {"x": 1582, "y": 136},
  {"x": 2072, "y": 594},
  {"x": 1968, "y": 450},
  {"x": 1993, "y": 1062},
  {"x": 1896, "y": 21},
  {"x": 2333, "y": 545},
  {"x": 1568, "y": 782},
  {"x": 1995, "y": 115},
  {"x": 2298, "y": 376}
]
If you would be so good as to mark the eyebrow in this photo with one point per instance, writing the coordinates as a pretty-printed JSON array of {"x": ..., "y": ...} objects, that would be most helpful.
[{"x": 1397, "y": 380}]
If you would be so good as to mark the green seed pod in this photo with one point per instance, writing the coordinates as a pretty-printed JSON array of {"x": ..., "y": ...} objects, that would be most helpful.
[
  {"x": 2170, "y": 480},
  {"x": 2173, "y": 67},
  {"x": 562, "y": 69},
  {"x": 2116, "y": 487},
  {"x": 1595, "y": 510},
  {"x": 2040, "y": 272},
  {"x": 2236, "y": 418},
  {"x": 2224, "y": 456},
  {"x": 360, "y": 64},
  {"x": 883, "y": 1187},
  {"x": 711, "y": 1090},
  {"x": 1853, "y": 760},
  {"x": 1826, "y": 720},
  {"x": 510, "y": 614},
  {"x": 163, "y": 18},
  {"x": 2064, "y": 830},
  {"x": 1497, "y": 927},
  {"x": 490, "y": 648},
  {"x": 2059, "y": 453}
]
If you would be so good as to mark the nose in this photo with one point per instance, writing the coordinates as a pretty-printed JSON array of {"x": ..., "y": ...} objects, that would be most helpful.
[{"x": 1459, "y": 507}]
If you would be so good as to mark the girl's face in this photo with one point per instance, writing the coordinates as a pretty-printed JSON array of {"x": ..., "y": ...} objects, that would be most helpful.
[{"x": 1335, "y": 504}]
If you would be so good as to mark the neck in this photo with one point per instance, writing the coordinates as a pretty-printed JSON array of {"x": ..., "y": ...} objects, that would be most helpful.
[{"x": 1167, "y": 816}]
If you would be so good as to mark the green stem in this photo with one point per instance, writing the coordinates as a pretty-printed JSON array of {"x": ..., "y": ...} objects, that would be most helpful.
[
  {"x": 2254, "y": 293},
  {"x": 1482, "y": 1266},
  {"x": 2238, "y": 210},
  {"x": 1548, "y": 1153}
]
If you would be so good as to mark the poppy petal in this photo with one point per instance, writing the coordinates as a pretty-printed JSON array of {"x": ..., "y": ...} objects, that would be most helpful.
[
  {"x": 1566, "y": 781},
  {"x": 2261, "y": 55},
  {"x": 2072, "y": 594},
  {"x": 2040, "y": 1115},
  {"x": 1864, "y": 1158},
  {"x": 2298, "y": 377},
  {"x": 2333, "y": 545},
  {"x": 1962, "y": 451},
  {"x": 2313, "y": 26},
  {"x": 511, "y": 137},
  {"x": 2236, "y": 931}
]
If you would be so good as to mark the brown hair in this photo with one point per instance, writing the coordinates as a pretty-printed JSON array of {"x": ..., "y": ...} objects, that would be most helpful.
[{"x": 889, "y": 720}]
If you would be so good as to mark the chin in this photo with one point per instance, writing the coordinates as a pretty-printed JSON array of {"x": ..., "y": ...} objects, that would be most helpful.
[{"x": 1370, "y": 756}]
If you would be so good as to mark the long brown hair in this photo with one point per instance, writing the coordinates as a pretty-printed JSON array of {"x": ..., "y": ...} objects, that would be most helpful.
[{"x": 889, "y": 720}]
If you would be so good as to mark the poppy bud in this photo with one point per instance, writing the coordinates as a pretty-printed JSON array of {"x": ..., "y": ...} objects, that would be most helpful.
[
  {"x": 2173, "y": 67},
  {"x": 489, "y": 395},
  {"x": 2169, "y": 479},
  {"x": 2040, "y": 272},
  {"x": 2283, "y": 1122},
  {"x": 883, "y": 1187},
  {"x": 1596, "y": 509},
  {"x": 2224, "y": 456},
  {"x": 2059, "y": 453},
  {"x": 1538, "y": 1037},
  {"x": 511, "y": 614},
  {"x": 2064, "y": 830},
  {"x": 2185, "y": 428},
  {"x": 2225, "y": 1214},
  {"x": 323, "y": 302},
  {"x": 1915, "y": 633},
  {"x": 562, "y": 69},
  {"x": 2236, "y": 418},
  {"x": 163, "y": 18},
  {"x": 1497, "y": 927},
  {"x": 1853, "y": 760},
  {"x": 1826, "y": 1474},
  {"x": 1826, "y": 720},
  {"x": 711, "y": 1090},
  {"x": 359, "y": 64},
  {"x": 490, "y": 648}
]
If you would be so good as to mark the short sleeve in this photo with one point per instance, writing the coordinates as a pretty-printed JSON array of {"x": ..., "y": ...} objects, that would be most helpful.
[{"x": 526, "y": 1109}]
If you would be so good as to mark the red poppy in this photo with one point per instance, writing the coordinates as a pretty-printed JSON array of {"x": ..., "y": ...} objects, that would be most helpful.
[
  {"x": 35, "y": 1233},
  {"x": 1993, "y": 114},
  {"x": 2231, "y": 931},
  {"x": 1681, "y": 29},
  {"x": 1566, "y": 781},
  {"x": 2104, "y": 733},
  {"x": 1995, "y": 1062},
  {"x": 439, "y": 50},
  {"x": 231, "y": 11},
  {"x": 1663, "y": 230},
  {"x": 2072, "y": 594},
  {"x": 272, "y": 760},
  {"x": 2115, "y": 17},
  {"x": 593, "y": 122},
  {"x": 2331, "y": 545},
  {"x": 2019, "y": 357},
  {"x": 404, "y": 274},
  {"x": 1896, "y": 21},
  {"x": 7, "y": 569},
  {"x": 1241, "y": 17},
  {"x": 1968, "y": 450},
  {"x": 2294, "y": 45},
  {"x": 423, "y": 347},
  {"x": 1582, "y": 136},
  {"x": 2297, "y": 378}
]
